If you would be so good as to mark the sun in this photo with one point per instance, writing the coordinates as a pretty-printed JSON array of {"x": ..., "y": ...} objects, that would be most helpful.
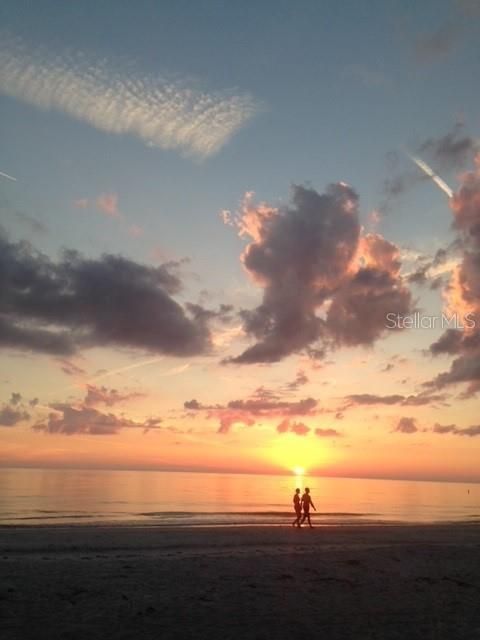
[{"x": 299, "y": 471}]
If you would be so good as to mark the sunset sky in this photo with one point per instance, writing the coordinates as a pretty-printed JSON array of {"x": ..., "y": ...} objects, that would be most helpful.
[{"x": 212, "y": 216}]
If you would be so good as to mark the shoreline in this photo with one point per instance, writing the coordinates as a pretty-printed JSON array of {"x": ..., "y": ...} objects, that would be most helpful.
[
  {"x": 28, "y": 538},
  {"x": 117, "y": 525}
]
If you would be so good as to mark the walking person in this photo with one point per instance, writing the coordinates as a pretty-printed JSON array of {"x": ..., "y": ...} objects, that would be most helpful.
[
  {"x": 307, "y": 502},
  {"x": 297, "y": 505}
]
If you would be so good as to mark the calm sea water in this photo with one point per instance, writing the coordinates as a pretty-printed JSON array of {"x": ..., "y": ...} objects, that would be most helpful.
[{"x": 48, "y": 496}]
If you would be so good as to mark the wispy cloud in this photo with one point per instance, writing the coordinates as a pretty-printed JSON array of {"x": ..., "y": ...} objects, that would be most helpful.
[{"x": 170, "y": 114}]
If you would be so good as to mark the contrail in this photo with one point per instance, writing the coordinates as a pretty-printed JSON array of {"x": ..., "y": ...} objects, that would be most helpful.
[
  {"x": 5, "y": 175},
  {"x": 113, "y": 372},
  {"x": 431, "y": 174}
]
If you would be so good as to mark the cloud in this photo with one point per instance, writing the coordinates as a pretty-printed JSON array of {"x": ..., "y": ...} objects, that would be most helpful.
[
  {"x": 434, "y": 271},
  {"x": 465, "y": 369},
  {"x": 316, "y": 293},
  {"x": 262, "y": 404},
  {"x": 14, "y": 411},
  {"x": 301, "y": 379},
  {"x": 58, "y": 307},
  {"x": 444, "y": 428},
  {"x": 162, "y": 112},
  {"x": 368, "y": 399},
  {"x": 327, "y": 433},
  {"x": 70, "y": 368},
  {"x": 70, "y": 420},
  {"x": 83, "y": 418},
  {"x": 470, "y": 432},
  {"x": 406, "y": 425},
  {"x": 463, "y": 291},
  {"x": 109, "y": 397},
  {"x": 298, "y": 428},
  {"x": 452, "y": 150},
  {"x": 107, "y": 203},
  {"x": 193, "y": 405},
  {"x": 437, "y": 44}
]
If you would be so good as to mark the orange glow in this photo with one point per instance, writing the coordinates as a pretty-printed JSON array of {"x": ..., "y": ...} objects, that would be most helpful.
[{"x": 295, "y": 453}]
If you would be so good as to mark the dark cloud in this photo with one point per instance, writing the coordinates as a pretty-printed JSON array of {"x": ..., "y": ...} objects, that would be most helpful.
[
  {"x": 470, "y": 432},
  {"x": 426, "y": 272},
  {"x": 289, "y": 426},
  {"x": 261, "y": 407},
  {"x": 262, "y": 404},
  {"x": 69, "y": 420},
  {"x": 451, "y": 151},
  {"x": 327, "y": 433},
  {"x": 463, "y": 292},
  {"x": 449, "y": 342},
  {"x": 70, "y": 368},
  {"x": 369, "y": 399},
  {"x": 432, "y": 46},
  {"x": 421, "y": 399},
  {"x": 406, "y": 425},
  {"x": 12, "y": 415},
  {"x": 109, "y": 397},
  {"x": 16, "y": 398},
  {"x": 15, "y": 410},
  {"x": 357, "y": 315},
  {"x": 192, "y": 405},
  {"x": 303, "y": 256},
  {"x": 444, "y": 428},
  {"x": 465, "y": 369},
  {"x": 300, "y": 379},
  {"x": 56, "y": 307}
]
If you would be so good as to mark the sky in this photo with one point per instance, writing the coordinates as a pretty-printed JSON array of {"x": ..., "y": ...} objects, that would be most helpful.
[{"x": 241, "y": 237}]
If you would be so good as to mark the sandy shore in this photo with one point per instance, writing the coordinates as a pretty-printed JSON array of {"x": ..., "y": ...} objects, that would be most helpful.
[{"x": 356, "y": 582}]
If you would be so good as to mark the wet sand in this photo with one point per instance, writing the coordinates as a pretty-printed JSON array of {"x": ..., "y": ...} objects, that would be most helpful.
[{"x": 358, "y": 582}]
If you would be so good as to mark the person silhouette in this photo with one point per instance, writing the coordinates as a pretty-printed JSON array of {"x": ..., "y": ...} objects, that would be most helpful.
[
  {"x": 297, "y": 505},
  {"x": 307, "y": 502}
]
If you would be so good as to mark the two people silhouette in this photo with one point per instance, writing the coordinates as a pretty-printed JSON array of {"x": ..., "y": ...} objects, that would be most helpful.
[{"x": 305, "y": 502}]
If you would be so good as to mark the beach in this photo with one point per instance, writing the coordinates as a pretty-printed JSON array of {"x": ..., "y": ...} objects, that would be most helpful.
[{"x": 335, "y": 582}]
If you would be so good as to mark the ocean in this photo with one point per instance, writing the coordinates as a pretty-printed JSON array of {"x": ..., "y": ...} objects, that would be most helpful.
[{"x": 60, "y": 496}]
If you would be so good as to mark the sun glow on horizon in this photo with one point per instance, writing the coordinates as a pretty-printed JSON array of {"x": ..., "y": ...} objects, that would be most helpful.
[
  {"x": 299, "y": 455},
  {"x": 299, "y": 471}
]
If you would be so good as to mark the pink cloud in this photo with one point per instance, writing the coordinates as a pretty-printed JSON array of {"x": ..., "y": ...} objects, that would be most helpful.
[{"x": 107, "y": 203}]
